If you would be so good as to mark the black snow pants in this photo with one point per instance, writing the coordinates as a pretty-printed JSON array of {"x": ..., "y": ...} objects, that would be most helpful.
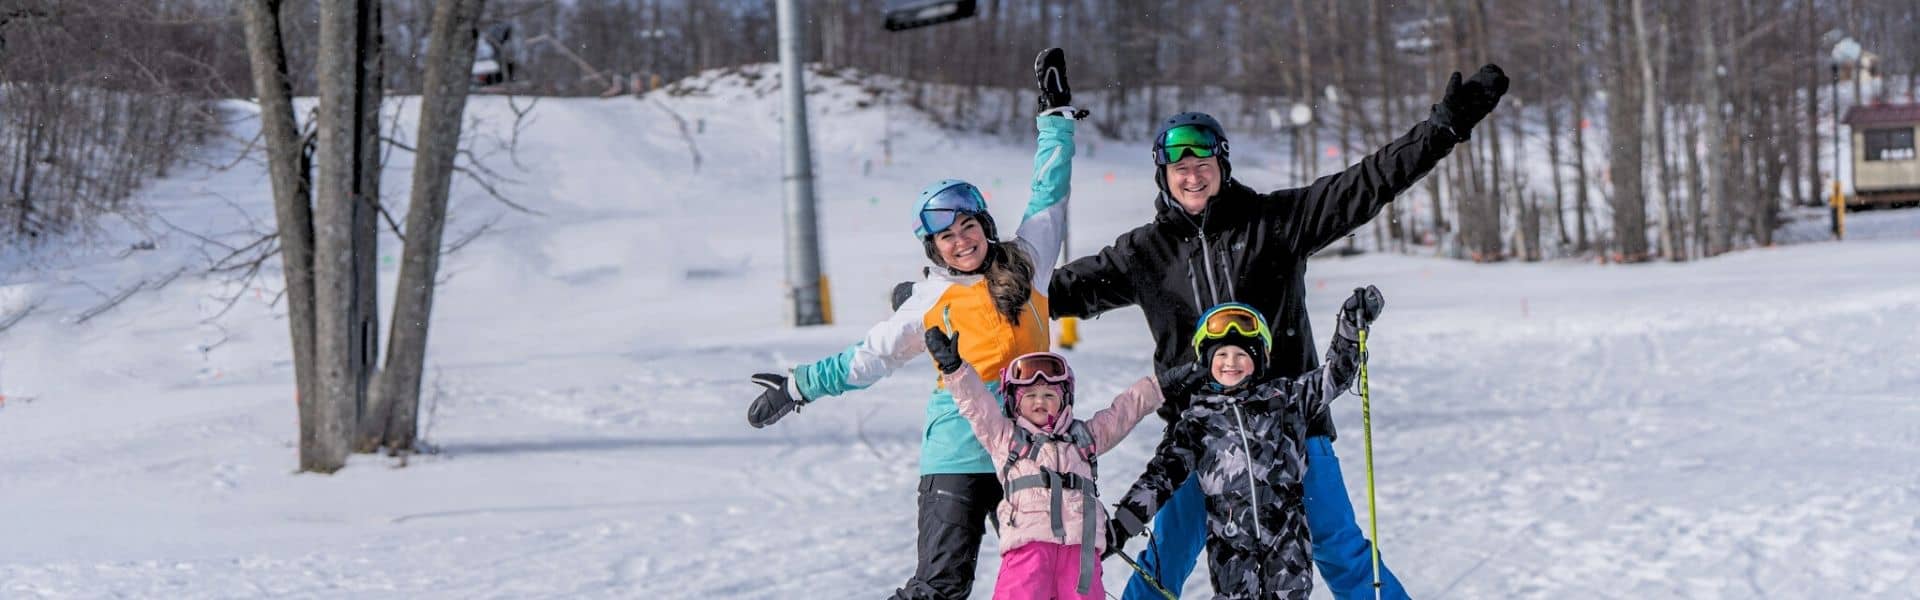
[{"x": 953, "y": 517}]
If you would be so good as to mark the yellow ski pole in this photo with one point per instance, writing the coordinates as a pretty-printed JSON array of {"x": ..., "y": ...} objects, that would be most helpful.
[{"x": 1366, "y": 424}]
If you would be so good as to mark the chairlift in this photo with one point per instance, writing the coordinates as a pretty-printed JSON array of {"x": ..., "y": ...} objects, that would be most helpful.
[
  {"x": 1419, "y": 36},
  {"x": 493, "y": 57},
  {"x": 909, "y": 14}
]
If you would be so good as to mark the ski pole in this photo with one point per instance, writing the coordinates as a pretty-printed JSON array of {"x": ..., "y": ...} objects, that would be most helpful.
[
  {"x": 1366, "y": 424},
  {"x": 1151, "y": 580}
]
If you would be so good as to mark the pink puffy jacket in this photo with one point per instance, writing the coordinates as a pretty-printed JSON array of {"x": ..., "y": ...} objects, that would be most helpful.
[{"x": 1023, "y": 514}]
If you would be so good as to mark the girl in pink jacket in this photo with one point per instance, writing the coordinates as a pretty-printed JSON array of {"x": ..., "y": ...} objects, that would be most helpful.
[{"x": 1052, "y": 525}]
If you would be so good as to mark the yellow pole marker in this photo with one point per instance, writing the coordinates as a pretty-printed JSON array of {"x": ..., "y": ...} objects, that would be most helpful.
[
  {"x": 1069, "y": 332},
  {"x": 826, "y": 301}
]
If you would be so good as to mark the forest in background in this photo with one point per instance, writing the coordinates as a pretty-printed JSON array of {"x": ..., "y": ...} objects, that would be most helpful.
[{"x": 1635, "y": 130}]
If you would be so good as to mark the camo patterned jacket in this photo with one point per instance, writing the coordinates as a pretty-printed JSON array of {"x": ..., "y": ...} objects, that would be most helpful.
[{"x": 1248, "y": 447}]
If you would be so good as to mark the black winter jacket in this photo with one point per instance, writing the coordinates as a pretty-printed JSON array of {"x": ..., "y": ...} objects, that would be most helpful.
[
  {"x": 1248, "y": 448},
  {"x": 1245, "y": 247}
]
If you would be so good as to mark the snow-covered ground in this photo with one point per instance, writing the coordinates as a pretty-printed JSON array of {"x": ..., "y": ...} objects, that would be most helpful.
[{"x": 1740, "y": 427}]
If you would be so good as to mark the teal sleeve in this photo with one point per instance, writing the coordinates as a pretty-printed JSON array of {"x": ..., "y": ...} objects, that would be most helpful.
[
  {"x": 827, "y": 376},
  {"x": 1052, "y": 164}
]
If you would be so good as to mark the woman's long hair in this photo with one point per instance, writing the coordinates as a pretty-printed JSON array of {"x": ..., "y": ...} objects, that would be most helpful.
[{"x": 1009, "y": 273}]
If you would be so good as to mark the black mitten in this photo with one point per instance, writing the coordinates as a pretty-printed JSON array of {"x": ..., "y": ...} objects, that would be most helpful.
[
  {"x": 1050, "y": 69},
  {"x": 902, "y": 292},
  {"x": 778, "y": 399},
  {"x": 1464, "y": 105},
  {"x": 944, "y": 350},
  {"x": 1120, "y": 528},
  {"x": 1183, "y": 381}
]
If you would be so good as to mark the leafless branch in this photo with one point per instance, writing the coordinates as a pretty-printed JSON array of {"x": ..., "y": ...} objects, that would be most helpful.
[
  {"x": 468, "y": 237},
  {"x": 120, "y": 297},
  {"x": 520, "y": 122},
  {"x": 479, "y": 174},
  {"x": 384, "y": 214}
]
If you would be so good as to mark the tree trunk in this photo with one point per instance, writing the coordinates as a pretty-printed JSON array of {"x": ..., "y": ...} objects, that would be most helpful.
[
  {"x": 1530, "y": 229},
  {"x": 1492, "y": 197},
  {"x": 1553, "y": 169},
  {"x": 1719, "y": 152},
  {"x": 333, "y": 229},
  {"x": 1580, "y": 187},
  {"x": 1397, "y": 227},
  {"x": 1624, "y": 140},
  {"x": 294, "y": 216},
  {"x": 1813, "y": 103},
  {"x": 366, "y": 222},
  {"x": 1695, "y": 189},
  {"x": 1773, "y": 167},
  {"x": 1303, "y": 93},
  {"x": 1435, "y": 180},
  {"x": 449, "y": 59},
  {"x": 1651, "y": 135}
]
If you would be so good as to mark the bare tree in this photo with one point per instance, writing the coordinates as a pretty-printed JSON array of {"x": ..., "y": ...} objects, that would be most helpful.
[
  {"x": 294, "y": 214},
  {"x": 334, "y": 201},
  {"x": 365, "y": 316},
  {"x": 1625, "y": 140},
  {"x": 449, "y": 59},
  {"x": 1652, "y": 132}
]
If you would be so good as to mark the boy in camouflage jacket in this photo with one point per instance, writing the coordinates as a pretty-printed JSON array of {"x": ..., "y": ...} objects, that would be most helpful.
[{"x": 1244, "y": 435}]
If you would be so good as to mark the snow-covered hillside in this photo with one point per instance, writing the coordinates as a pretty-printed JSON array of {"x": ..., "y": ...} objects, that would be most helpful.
[{"x": 1740, "y": 427}]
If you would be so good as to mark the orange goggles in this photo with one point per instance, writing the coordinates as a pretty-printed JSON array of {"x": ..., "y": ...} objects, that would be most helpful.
[{"x": 1230, "y": 319}]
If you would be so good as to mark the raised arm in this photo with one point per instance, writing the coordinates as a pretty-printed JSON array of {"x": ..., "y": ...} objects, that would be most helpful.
[
  {"x": 980, "y": 408},
  {"x": 1114, "y": 422},
  {"x": 1335, "y": 205},
  {"x": 1043, "y": 227},
  {"x": 1317, "y": 388}
]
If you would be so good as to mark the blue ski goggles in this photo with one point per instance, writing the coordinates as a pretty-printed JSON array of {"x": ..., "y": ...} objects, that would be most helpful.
[
  {"x": 939, "y": 212},
  {"x": 1184, "y": 141}
]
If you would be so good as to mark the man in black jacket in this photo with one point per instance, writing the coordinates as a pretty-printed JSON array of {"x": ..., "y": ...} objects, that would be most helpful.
[{"x": 1215, "y": 240}]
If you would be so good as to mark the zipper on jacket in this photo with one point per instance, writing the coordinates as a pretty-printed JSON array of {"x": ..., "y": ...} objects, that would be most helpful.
[
  {"x": 1206, "y": 259},
  {"x": 1194, "y": 281},
  {"x": 1252, "y": 489},
  {"x": 1226, "y": 260}
]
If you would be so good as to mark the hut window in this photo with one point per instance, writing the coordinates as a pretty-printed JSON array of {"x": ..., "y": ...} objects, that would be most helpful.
[{"x": 1890, "y": 144}]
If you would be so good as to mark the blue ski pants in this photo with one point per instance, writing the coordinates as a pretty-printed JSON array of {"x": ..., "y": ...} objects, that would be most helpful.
[{"x": 1340, "y": 550}]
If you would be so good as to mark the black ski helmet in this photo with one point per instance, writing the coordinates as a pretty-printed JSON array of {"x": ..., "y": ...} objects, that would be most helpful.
[{"x": 1189, "y": 118}]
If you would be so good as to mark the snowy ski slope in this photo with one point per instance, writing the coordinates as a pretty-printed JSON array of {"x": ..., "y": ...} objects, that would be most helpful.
[{"x": 1742, "y": 427}]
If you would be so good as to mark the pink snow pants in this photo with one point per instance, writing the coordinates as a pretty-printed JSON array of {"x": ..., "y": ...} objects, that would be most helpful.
[{"x": 1044, "y": 571}]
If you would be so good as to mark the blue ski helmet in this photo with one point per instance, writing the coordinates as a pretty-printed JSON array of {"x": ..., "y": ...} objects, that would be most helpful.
[{"x": 943, "y": 203}]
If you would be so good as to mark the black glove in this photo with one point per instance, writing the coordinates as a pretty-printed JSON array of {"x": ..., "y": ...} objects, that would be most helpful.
[
  {"x": 1115, "y": 543},
  {"x": 944, "y": 350},
  {"x": 775, "y": 402},
  {"x": 1118, "y": 532},
  {"x": 1464, "y": 105},
  {"x": 902, "y": 292},
  {"x": 1050, "y": 69},
  {"x": 1359, "y": 311},
  {"x": 1184, "y": 380}
]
